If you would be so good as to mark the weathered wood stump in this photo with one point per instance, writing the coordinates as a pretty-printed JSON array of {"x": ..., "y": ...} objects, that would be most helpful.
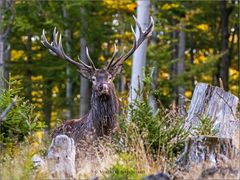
[
  {"x": 220, "y": 107},
  {"x": 206, "y": 148},
  {"x": 216, "y": 104},
  {"x": 61, "y": 158}
]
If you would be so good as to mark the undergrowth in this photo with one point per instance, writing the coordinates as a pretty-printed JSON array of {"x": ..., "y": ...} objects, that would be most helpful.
[{"x": 149, "y": 142}]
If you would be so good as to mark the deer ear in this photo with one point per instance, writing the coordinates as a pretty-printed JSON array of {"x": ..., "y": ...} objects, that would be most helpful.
[
  {"x": 116, "y": 70},
  {"x": 86, "y": 73}
]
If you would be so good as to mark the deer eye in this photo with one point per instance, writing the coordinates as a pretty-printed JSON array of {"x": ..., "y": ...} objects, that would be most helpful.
[
  {"x": 109, "y": 78},
  {"x": 93, "y": 79}
]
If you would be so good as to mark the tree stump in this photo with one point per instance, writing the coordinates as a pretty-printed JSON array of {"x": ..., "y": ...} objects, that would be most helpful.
[
  {"x": 61, "y": 158},
  {"x": 220, "y": 107},
  {"x": 216, "y": 104},
  {"x": 206, "y": 148}
]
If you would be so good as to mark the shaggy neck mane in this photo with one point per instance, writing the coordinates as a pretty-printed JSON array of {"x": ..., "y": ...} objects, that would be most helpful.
[{"x": 103, "y": 111}]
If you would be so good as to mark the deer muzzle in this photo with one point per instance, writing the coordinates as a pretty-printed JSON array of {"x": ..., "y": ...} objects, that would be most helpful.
[{"x": 103, "y": 88}]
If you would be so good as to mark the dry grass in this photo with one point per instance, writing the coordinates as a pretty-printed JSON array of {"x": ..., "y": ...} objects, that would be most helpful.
[
  {"x": 120, "y": 158},
  {"x": 16, "y": 161}
]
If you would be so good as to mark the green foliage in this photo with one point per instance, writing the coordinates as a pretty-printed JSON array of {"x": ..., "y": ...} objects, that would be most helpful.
[
  {"x": 162, "y": 131},
  {"x": 21, "y": 120},
  {"x": 124, "y": 168},
  {"x": 206, "y": 127}
]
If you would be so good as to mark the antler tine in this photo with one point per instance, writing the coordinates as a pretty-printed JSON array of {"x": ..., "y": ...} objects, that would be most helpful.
[
  {"x": 83, "y": 63},
  {"x": 123, "y": 57},
  {"x": 89, "y": 59},
  {"x": 44, "y": 41},
  {"x": 138, "y": 24},
  {"x": 137, "y": 41},
  {"x": 56, "y": 48},
  {"x": 113, "y": 56}
]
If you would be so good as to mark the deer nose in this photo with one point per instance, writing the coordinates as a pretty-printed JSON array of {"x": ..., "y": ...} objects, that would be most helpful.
[{"x": 103, "y": 87}]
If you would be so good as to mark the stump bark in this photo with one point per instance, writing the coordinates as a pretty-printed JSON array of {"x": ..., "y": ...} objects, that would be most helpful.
[
  {"x": 216, "y": 104},
  {"x": 61, "y": 158},
  {"x": 220, "y": 107},
  {"x": 206, "y": 148}
]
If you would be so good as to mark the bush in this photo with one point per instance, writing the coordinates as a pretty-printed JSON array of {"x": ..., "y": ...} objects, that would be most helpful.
[
  {"x": 162, "y": 131},
  {"x": 21, "y": 120}
]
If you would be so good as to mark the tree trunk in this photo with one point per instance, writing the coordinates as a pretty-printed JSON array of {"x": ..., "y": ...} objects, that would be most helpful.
[
  {"x": 85, "y": 85},
  {"x": 192, "y": 58},
  {"x": 1, "y": 62},
  {"x": 173, "y": 68},
  {"x": 225, "y": 61},
  {"x": 2, "y": 44},
  {"x": 28, "y": 72},
  {"x": 139, "y": 57},
  {"x": 7, "y": 57},
  {"x": 216, "y": 104},
  {"x": 47, "y": 99},
  {"x": 69, "y": 113},
  {"x": 85, "y": 93},
  {"x": 152, "y": 99},
  {"x": 61, "y": 158},
  {"x": 180, "y": 64}
]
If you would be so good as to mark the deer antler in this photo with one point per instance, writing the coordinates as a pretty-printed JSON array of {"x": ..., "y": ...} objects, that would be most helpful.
[
  {"x": 56, "y": 48},
  {"x": 136, "y": 43}
]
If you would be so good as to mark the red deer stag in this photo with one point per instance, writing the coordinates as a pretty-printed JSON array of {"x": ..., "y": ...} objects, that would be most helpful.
[{"x": 101, "y": 119}]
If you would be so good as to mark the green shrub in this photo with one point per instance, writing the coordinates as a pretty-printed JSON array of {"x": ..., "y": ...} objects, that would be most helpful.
[
  {"x": 21, "y": 120},
  {"x": 162, "y": 131},
  {"x": 206, "y": 127}
]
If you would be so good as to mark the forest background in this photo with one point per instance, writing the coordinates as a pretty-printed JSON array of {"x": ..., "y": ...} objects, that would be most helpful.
[
  {"x": 211, "y": 49},
  {"x": 193, "y": 41}
]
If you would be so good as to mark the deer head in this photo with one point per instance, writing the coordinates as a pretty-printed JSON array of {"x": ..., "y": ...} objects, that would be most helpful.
[{"x": 102, "y": 79}]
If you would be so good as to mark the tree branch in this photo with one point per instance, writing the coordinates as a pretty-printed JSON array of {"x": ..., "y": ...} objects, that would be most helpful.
[{"x": 4, "y": 113}]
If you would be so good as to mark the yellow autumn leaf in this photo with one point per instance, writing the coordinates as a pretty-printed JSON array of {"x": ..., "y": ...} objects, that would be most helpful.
[
  {"x": 234, "y": 88},
  {"x": 233, "y": 74},
  {"x": 39, "y": 135},
  {"x": 16, "y": 54},
  {"x": 36, "y": 78},
  {"x": 165, "y": 75},
  {"x": 168, "y": 6},
  {"x": 101, "y": 58},
  {"x": 124, "y": 5},
  {"x": 131, "y": 7},
  {"x": 235, "y": 38},
  {"x": 55, "y": 90},
  {"x": 203, "y": 27},
  {"x": 206, "y": 78},
  {"x": 129, "y": 62},
  {"x": 37, "y": 93},
  {"x": 210, "y": 50},
  {"x": 202, "y": 58},
  {"x": 188, "y": 94}
]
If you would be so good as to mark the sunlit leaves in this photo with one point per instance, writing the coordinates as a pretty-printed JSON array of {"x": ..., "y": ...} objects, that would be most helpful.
[
  {"x": 17, "y": 54},
  {"x": 203, "y": 27},
  {"x": 123, "y": 5},
  {"x": 169, "y": 6}
]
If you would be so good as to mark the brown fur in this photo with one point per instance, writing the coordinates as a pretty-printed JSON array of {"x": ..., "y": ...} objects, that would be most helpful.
[{"x": 101, "y": 119}]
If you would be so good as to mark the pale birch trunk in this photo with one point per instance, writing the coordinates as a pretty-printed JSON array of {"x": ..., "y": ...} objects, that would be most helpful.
[
  {"x": 139, "y": 57},
  {"x": 84, "y": 83},
  {"x": 180, "y": 64},
  {"x": 152, "y": 99},
  {"x": 67, "y": 33}
]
